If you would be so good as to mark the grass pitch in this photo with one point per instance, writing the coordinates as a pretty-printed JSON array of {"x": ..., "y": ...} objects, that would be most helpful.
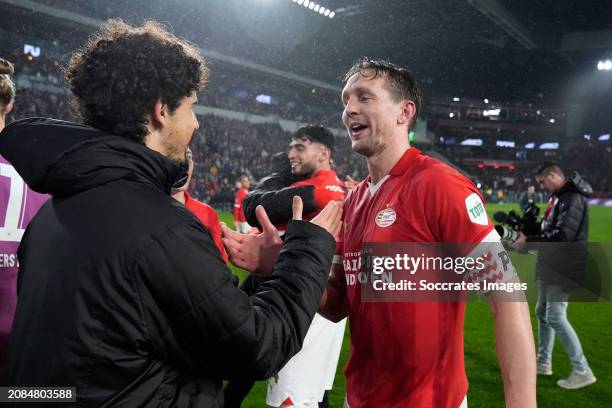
[{"x": 592, "y": 321}]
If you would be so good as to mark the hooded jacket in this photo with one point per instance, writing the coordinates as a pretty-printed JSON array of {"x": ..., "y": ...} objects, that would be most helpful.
[
  {"x": 562, "y": 242},
  {"x": 123, "y": 294}
]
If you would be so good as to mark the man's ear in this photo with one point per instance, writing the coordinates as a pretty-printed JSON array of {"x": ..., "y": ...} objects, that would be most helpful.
[
  {"x": 408, "y": 112},
  {"x": 159, "y": 113},
  {"x": 325, "y": 154}
]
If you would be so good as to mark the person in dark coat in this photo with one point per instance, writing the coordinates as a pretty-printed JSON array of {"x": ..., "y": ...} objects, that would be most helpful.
[
  {"x": 560, "y": 268},
  {"x": 122, "y": 292}
]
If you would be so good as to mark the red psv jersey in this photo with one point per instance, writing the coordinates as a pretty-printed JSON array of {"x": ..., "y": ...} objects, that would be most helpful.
[
  {"x": 208, "y": 217},
  {"x": 238, "y": 200},
  {"x": 328, "y": 187},
  {"x": 408, "y": 354}
]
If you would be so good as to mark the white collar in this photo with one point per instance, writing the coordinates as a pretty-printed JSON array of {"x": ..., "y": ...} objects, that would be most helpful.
[{"x": 374, "y": 187}]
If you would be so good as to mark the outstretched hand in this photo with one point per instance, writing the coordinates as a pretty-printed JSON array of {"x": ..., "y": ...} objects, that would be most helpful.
[
  {"x": 254, "y": 252},
  {"x": 330, "y": 218},
  {"x": 258, "y": 252}
]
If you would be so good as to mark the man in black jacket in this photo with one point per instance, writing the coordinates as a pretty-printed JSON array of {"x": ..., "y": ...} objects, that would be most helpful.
[
  {"x": 122, "y": 293},
  {"x": 275, "y": 187},
  {"x": 560, "y": 268}
]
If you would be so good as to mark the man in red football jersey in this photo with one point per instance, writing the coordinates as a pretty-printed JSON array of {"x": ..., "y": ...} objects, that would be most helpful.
[
  {"x": 305, "y": 380},
  {"x": 312, "y": 178},
  {"x": 410, "y": 354},
  {"x": 240, "y": 223},
  {"x": 204, "y": 212}
]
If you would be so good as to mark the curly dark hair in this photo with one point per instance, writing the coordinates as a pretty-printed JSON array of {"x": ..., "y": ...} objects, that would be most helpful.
[
  {"x": 122, "y": 71},
  {"x": 401, "y": 83}
]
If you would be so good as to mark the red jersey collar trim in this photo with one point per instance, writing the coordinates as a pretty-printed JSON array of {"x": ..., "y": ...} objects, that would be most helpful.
[{"x": 405, "y": 162}]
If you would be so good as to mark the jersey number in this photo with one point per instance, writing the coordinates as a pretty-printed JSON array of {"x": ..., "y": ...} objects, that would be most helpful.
[{"x": 10, "y": 231}]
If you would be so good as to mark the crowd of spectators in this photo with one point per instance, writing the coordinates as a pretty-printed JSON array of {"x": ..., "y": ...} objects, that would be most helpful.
[
  {"x": 224, "y": 149},
  {"x": 505, "y": 181}
]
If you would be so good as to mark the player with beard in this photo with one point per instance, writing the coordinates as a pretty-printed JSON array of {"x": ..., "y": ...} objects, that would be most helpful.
[{"x": 306, "y": 379}]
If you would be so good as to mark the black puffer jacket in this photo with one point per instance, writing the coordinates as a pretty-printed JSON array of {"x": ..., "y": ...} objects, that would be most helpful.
[
  {"x": 562, "y": 242},
  {"x": 123, "y": 293},
  {"x": 275, "y": 195}
]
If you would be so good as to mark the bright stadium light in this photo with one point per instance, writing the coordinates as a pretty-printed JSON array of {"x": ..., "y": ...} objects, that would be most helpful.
[
  {"x": 315, "y": 7},
  {"x": 600, "y": 65},
  {"x": 485, "y": 100},
  {"x": 456, "y": 99},
  {"x": 608, "y": 65}
]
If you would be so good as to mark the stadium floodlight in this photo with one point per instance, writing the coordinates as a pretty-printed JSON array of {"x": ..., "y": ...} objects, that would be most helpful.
[
  {"x": 456, "y": 99},
  {"x": 551, "y": 120},
  {"x": 608, "y": 65},
  {"x": 485, "y": 100},
  {"x": 491, "y": 112},
  {"x": 315, "y": 7},
  {"x": 451, "y": 115},
  {"x": 549, "y": 146},
  {"x": 600, "y": 65},
  {"x": 471, "y": 142}
]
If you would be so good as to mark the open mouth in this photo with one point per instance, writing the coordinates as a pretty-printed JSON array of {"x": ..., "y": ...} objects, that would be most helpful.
[{"x": 357, "y": 129}]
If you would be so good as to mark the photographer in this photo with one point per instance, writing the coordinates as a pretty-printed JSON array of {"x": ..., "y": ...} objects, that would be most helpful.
[
  {"x": 560, "y": 268},
  {"x": 527, "y": 197}
]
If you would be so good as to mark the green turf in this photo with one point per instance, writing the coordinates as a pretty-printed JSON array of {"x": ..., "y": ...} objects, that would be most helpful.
[{"x": 592, "y": 322}]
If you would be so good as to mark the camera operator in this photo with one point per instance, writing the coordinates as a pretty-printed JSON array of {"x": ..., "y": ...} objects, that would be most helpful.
[
  {"x": 527, "y": 197},
  {"x": 560, "y": 268}
]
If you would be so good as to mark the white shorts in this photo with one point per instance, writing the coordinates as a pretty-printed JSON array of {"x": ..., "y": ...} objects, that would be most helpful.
[
  {"x": 311, "y": 371},
  {"x": 242, "y": 227}
]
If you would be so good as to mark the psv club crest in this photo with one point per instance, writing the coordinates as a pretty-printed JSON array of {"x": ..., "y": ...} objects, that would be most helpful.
[{"x": 386, "y": 217}]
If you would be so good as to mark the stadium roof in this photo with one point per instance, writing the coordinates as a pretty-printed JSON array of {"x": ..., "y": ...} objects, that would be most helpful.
[{"x": 501, "y": 49}]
